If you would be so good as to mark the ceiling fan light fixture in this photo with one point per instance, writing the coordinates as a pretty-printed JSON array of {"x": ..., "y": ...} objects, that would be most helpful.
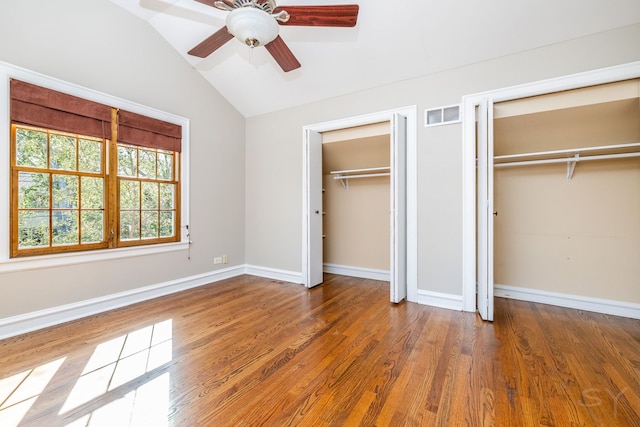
[{"x": 253, "y": 27}]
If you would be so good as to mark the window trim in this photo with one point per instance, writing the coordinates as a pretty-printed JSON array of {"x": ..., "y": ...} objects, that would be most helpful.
[{"x": 7, "y": 72}]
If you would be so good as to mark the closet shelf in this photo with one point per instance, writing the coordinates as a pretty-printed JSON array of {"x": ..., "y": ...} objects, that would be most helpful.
[
  {"x": 572, "y": 156},
  {"x": 345, "y": 175}
]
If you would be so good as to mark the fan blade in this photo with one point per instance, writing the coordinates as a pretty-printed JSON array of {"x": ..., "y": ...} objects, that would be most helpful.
[
  {"x": 211, "y": 43},
  {"x": 282, "y": 54},
  {"x": 344, "y": 15}
]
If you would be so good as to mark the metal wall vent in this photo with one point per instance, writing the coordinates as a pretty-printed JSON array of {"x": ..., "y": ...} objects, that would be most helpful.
[{"x": 442, "y": 115}]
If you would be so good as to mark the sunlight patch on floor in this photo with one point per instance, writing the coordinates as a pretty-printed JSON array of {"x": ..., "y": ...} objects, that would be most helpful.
[
  {"x": 122, "y": 384},
  {"x": 145, "y": 406},
  {"x": 20, "y": 391},
  {"x": 118, "y": 362}
]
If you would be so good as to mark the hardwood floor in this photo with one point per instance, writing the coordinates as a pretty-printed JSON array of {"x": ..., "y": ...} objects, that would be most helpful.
[{"x": 250, "y": 351}]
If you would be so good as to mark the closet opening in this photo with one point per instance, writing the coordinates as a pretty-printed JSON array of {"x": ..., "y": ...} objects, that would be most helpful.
[
  {"x": 356, "y": 169},
  {"x": 567, "y": 194},
  {"x": 401, "y": 201},
  {"x": 552, "y": 193}
]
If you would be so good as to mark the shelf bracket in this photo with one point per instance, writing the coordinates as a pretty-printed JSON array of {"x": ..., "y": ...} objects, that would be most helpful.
[
  {"x": 344, "y": 181},
  {"x": 571, "y": 166}
]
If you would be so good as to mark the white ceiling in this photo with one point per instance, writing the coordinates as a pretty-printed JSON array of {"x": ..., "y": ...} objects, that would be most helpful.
[{"x": 392, "y": 41}]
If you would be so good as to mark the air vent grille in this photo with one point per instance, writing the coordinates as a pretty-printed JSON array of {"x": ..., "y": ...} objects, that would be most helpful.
[{"x": 442, "y": 115}]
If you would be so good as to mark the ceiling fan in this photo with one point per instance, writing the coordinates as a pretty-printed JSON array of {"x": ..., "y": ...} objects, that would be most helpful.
[{"x": 255, "y": 23}]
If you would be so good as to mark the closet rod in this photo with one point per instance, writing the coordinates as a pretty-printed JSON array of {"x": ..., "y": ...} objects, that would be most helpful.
[
  {"x": 344, "y": 179},
  {"x": 568, "y": 151},
  {"x": 366, "y": 175},
  {"x": 576, "y": 158},
  {"x": 385, "y": 168}
]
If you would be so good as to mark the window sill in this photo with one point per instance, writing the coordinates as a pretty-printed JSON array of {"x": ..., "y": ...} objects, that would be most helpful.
[{"x": 58, "y": 260}]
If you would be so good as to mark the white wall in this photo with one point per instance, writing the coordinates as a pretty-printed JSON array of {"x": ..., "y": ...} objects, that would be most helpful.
[
  {"x": 98, "y": 45},
  {"x": 274, "y": 152},
  {"x": 578, "y": 237}
]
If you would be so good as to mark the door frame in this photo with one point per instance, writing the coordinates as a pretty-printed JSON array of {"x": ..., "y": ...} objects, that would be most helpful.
[
  {"x": 470, "y": 103},
  {"x": 411, "y": 114}
]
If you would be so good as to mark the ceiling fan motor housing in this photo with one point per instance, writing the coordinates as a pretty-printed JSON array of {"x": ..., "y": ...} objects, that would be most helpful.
[{"x": 252, "y": 26}]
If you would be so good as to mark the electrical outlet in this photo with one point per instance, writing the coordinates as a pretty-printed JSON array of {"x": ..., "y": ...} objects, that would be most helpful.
[
  {"x": 225, "y": 259},
  {"x": 217, "y": 260}
]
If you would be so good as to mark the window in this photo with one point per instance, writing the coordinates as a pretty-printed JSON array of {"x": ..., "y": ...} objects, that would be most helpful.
[
  {"x": 147, "y": 191},
  {"x": 73, "y": 189},
  {"x": 59, "y": 181}
]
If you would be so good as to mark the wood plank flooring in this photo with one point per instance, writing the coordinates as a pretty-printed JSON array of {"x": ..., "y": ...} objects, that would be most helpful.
[{"x": 249, "y": 351}]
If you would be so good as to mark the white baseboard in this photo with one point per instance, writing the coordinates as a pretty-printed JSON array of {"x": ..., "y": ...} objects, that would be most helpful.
[
  {"x": 273, "y": 273},
  {"x": 28, "y": 322},
  {"x": 364, "y": 273},
  {"x": 598, "y": 305},
  {"x": 440, "y": 299}
]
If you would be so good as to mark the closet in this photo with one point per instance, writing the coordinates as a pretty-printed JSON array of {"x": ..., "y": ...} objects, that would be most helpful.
[
  {"x": 567, "y": 192},
  {"x": 356, "y": 173}
]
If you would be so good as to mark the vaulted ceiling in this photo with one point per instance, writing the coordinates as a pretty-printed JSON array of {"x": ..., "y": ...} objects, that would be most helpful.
[{"x": 392, "y": 41}]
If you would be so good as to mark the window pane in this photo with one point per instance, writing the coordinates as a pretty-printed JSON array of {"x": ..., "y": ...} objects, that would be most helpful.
[
  {"x": 434, "y": 116},
  {"x": 129, "y": 194},
  {"x": 33, "y": 190},
  {"x": 63, "y": 152},
  {"x": 90, "y": 156},
  {"x": 149, "y": 224},
  {"x": 165, "y": 165},
  {"x": 31, "y": 148},
  {"x": 65, "y": 191},
  {"x": 129, "y": 225},
  {"x": 92, "y": 226},
  {"x": 150, "y": 195},
  {"x": 65, "y": 227},
  {"x": 451, "y": 114},
  {"x": 167, "y": 198},
  {"x": 33, "y": 229},
  {"x": 92, "y": 194},
  {"x": 147, "y": 164},
  {"x": 166, "y": 224},
  {"x": 127, "y": 161}
]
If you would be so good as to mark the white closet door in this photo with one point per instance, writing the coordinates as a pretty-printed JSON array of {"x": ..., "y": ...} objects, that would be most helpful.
[
  {"x": 485, "y": 209},
  {"x": 314, "y": 274},
  {"x": 398, "y": 262}
]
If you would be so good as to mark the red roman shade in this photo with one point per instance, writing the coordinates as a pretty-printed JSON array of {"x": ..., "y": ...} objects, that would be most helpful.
[
  {"x": 39, "y": 106},
  {"x": 136, "y": 129}
]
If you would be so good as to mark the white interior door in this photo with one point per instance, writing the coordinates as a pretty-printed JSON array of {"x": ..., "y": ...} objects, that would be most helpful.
[
  {"x": 398, "y": 262},
  {"x": 314, "y": 274},
  {"x": 485, "y": 209}
]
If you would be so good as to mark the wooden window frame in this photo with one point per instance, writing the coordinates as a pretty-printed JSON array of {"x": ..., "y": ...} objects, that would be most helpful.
[
  {"x": 15, "y": 251},
  {"x": 28, "y": 262},
  {"x": 112, "y": 209},
  {"x": 118, "y": 240}
]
